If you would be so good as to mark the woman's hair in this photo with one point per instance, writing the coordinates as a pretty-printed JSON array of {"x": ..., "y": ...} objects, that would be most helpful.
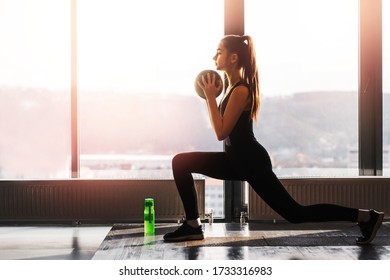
[{"x": 244, "y": 48}]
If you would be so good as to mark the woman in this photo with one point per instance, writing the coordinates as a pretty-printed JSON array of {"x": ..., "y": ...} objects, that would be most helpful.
[{"x": 244, "y": 158}]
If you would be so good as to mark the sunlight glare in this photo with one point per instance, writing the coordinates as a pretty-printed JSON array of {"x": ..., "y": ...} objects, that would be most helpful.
[{"x": 146, "y": 46}]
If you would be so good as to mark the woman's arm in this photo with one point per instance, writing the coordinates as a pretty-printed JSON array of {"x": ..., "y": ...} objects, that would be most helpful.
[{"x": 236, "y": 105}]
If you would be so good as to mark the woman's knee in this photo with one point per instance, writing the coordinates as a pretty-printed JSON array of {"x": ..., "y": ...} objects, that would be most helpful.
[
  {"x": 294, "y": 216},
  {"x": 176, "y": 161},
  {"x": 179, "y": 161}
]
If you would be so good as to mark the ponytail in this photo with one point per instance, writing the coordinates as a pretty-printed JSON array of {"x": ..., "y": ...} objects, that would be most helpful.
[
  {"x": 244, "y": 47},
  {"x": 251, "y": 76}
]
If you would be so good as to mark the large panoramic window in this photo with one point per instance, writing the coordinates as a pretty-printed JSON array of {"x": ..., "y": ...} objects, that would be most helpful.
[
  {"x": 137, "y": 61},
  {"x": 137, "y": 65},
  {"x": 308, "y": 61},
  {"x": 34, "y": 89}
]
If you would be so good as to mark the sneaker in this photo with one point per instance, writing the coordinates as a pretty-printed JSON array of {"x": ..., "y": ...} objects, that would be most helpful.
[
  {"x": 185, "y": 233},
  {"x": 369, "y": 229}
]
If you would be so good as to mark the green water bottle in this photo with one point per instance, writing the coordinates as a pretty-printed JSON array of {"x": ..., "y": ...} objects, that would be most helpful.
[{"x": 149, "y": 216}]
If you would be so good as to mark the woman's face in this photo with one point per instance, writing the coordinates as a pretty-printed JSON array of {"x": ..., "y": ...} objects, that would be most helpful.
[{"x": 221, "y": 57}]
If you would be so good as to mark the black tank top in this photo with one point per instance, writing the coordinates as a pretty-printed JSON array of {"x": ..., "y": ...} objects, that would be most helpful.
[{"x": 242, "y": 133}]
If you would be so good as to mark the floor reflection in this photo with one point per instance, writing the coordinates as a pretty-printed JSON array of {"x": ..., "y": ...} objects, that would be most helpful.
[{"x": 259, "y": 241}]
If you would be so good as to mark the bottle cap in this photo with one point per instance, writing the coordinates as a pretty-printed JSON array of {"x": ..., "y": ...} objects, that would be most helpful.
[{"x": 149, "y": 202}]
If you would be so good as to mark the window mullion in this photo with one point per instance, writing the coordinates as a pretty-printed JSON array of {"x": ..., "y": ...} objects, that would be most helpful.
[
  {"x": 370, "y": 88},
  {"x": 75, "y": 166},
  {"x": 234, "y": 24}
]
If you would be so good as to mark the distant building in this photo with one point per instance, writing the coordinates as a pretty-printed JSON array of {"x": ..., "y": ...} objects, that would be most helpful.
[{"x": 114, "y": 166}]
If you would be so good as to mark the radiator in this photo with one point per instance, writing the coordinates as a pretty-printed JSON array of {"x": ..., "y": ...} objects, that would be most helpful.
[
  {"x": 78, "y": 200},
  {"x": 359, "y": 192}
]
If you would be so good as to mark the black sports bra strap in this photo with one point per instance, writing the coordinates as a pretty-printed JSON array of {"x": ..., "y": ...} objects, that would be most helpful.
[{"x": 225, "y": 99}]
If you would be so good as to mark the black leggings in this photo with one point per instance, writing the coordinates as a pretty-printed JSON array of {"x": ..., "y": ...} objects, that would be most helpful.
[{"x": 256, "y": 169}]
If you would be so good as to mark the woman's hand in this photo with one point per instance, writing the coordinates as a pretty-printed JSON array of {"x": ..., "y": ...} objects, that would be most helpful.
[{"x": 208, "y": 86}]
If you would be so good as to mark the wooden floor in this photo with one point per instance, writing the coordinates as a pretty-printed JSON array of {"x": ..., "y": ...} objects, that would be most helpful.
[
  {"x": 280, "y": 241},
  {"x": 232, "y": 241},
  {"x": 51, "y": 242}
]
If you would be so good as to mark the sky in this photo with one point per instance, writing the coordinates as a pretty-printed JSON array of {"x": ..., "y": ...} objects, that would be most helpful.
[{"x": 148, "y": 46}]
